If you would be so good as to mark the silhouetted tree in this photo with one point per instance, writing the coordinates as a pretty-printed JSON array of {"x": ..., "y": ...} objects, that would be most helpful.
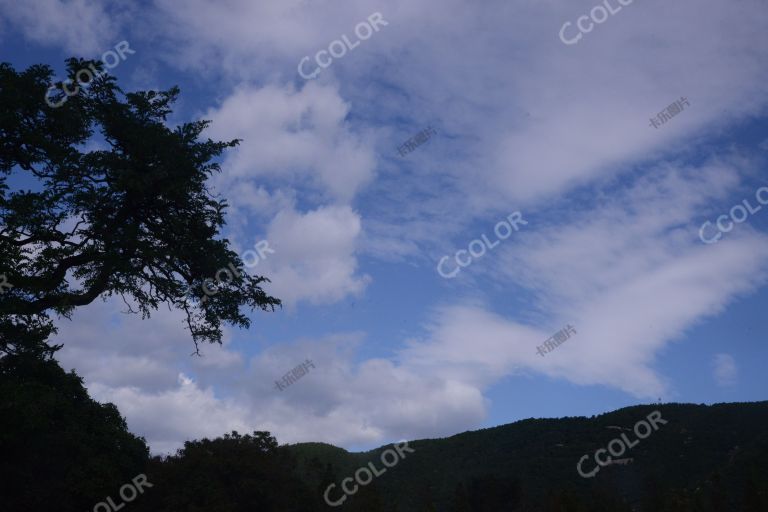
[
  {"x": 232, "y": 473},
  {"x": 128, "y": 214}
]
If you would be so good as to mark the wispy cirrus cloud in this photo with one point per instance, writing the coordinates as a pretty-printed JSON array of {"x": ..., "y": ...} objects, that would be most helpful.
[
  {"x": 724, "y": 369},
  {"x": 84, "y": 27}
]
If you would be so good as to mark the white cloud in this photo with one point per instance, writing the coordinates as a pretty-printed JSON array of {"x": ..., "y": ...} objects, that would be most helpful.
[
  {"x": 630, "y": 274},
  {"x": 296, "y": 140},
  {"x": 84, "y": 27},
  {"x": 528, "y": 123},
  {"x": 369, "y": 402},
  {"x": 724, "y": 369},
  {"x": 314, "y": 255},
  {"x": 341, "y": 400},
  {"x": 173, "y": 416},
  {"x": 295, "y": 136},
  {"x": 596, "y": 269},
  {"x": 517, "y": 128}
]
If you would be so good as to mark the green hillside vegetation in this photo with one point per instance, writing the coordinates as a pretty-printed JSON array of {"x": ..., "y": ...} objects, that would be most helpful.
[
  {"x": 705, "y": 458},
  {"x": 62, "y": 447}
]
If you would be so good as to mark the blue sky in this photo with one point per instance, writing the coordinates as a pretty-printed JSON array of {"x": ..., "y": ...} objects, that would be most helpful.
[{"x": 524, "y": 122}]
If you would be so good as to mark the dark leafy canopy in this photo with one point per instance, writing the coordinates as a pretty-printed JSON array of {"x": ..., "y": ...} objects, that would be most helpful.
[
  {"x": 134, "y": 219},
  {"x": 60, "y": 449},
  {"x": 234, "y": 473}
]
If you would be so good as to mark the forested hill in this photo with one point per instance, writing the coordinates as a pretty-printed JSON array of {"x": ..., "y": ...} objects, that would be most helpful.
[
  {"x": 705, "y": 458},
  {"x": 60, "y": 446}
]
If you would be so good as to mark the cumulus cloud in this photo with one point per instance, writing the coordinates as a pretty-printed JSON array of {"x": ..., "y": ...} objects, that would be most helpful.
[
  {"x": 342, "y": 400},
  {"x": 297, "y": 141},
  {"x": 177, "y": 415},
  {"x": 315, "y": 254},
  {"x": 295, "y": 136},
  {"x": 362, "y": 403},
  {"x": 310, "y": 256}
]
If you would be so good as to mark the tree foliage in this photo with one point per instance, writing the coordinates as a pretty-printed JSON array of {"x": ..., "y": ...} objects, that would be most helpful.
[
  {"x": 60, "y": 448},
  {"x": 110, "y": 200},
  {"x": 232, "y": 473}
]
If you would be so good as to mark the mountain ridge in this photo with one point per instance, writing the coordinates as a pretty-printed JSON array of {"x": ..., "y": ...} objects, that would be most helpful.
[{"x": 520, "y": 465}]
